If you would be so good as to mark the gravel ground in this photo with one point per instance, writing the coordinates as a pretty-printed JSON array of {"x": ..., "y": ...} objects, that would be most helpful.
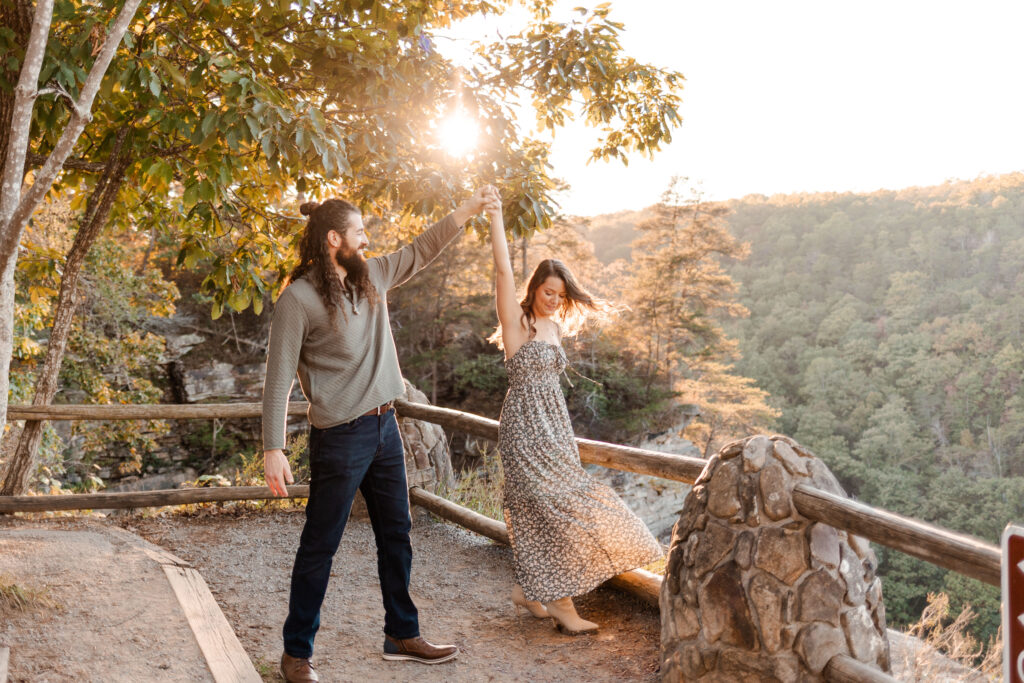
[
  {"x": 110, "y": 614},
  {"x": 117, "y": 618},
  {"x": 460, "y": 583}
]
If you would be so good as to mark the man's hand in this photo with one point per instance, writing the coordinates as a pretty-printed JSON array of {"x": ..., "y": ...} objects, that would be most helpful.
[
  {"x": 485, "y": 198},
  {"x": 276, "y": 471}
]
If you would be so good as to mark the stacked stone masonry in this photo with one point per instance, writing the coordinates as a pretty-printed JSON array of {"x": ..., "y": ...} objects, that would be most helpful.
[{"x": 753, "y": 590}]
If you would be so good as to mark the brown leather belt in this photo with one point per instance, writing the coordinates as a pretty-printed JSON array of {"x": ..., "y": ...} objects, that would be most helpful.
[{"x": 380, "y": 410}]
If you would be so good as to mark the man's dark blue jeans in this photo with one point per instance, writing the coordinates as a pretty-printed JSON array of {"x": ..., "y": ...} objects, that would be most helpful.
[{"x": 366, "y": 454}]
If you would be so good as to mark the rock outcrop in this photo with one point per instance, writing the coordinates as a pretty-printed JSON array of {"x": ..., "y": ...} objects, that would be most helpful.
[
  {"x": 428, "y": 460},
  {"x": 755, "y": 591}
]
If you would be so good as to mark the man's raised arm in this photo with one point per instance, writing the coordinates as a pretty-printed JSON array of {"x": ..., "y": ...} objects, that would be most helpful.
[{"x": 399, "y": 266}]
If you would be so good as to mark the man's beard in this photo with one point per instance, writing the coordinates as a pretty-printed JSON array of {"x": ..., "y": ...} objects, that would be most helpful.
[
  {"x": 357, "y": 276},
  {"x": 353, "y": 263}
]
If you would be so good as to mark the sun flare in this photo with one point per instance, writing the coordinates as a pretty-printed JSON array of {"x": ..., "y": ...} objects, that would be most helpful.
[{"x": 458, "y": 134}]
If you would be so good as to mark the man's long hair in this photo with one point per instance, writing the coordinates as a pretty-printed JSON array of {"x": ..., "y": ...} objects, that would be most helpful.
[{"x": 315, "y": 262}]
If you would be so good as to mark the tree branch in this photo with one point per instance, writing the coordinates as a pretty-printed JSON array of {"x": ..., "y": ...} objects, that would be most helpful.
[
  {"x": 13, "y": 226},
  {"x": 75, "y": 164},
  {"x": 21, "y": 124}
]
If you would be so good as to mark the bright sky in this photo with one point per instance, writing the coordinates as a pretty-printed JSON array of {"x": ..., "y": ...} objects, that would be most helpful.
[{"x": 791, "y": 96}]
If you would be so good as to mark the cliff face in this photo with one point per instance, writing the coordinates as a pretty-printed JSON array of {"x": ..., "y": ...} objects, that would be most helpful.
[
  {"x": 656, "y": 501},
  {"x": 221, "y": 362}
]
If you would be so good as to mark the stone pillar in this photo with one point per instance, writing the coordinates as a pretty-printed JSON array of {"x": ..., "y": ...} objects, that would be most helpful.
[
  {"x": 753, "y": 590},
  {"x": 428, "y": 461}
]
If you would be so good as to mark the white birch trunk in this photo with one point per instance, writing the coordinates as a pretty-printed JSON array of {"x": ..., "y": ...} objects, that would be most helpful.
[
  {"x": 16, "y": 204},
  {"x": 10, "y": 187}
]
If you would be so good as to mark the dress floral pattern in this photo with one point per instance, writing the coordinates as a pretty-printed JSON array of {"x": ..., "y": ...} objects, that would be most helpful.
[{"x": 569, "y": 533}]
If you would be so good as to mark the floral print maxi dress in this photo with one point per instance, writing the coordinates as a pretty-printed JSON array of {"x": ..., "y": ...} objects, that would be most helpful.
[{"x": 569, "y": 533}]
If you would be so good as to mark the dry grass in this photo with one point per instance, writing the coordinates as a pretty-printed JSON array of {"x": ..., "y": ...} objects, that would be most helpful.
[
  {"x": 480, "y": 489},
  {"x": 15, "y": 597},
  {"x": 958, "y": 648}
]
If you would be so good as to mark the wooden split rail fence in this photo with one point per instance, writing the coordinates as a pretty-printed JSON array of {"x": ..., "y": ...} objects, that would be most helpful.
[{"x": 961, "y": 553}]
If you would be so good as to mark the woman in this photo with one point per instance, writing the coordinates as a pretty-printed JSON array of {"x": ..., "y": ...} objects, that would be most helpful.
[{"x": 568, "y": 532}]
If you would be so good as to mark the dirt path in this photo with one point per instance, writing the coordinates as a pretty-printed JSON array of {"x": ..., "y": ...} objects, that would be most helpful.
[
  {"x": 459, "y": 582},
  {"x": 111, "y": 613},
  {"x": 118, "y": 619}
]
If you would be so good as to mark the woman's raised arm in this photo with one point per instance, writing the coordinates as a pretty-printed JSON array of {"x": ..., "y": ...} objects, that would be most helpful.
[{"x": 510, "y": 313}]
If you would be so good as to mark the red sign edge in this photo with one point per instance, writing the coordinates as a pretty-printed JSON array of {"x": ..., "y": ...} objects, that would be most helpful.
[{"x": 1010, "y": 531}]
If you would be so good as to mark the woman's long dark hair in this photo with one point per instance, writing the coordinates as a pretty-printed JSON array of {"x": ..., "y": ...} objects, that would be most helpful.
[
  {"x": 315, "y": 262},
  {"x": 578, "y": 304}
]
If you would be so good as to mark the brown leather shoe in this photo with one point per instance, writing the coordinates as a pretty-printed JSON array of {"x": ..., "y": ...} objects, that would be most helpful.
[
  {"x": 297, "y": 670},
  {"x": 418, "y": 650}
]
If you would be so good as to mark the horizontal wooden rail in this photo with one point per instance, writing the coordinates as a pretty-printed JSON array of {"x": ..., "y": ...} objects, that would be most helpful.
[
  {"x": 142, "y": 499},
  {"x": 639, "y": 460},
  {"x": 654, "y": 463},
  {"x": 962, "y": 553},
  {"x": 846, "y": 669},
  {"x": 958, "y": 552},
  {"x": 457, "y": 420},
  {"x": 643, "y": 584},
  {"x": 474, "y": 521},
  {"x": 145, "y": 411}
]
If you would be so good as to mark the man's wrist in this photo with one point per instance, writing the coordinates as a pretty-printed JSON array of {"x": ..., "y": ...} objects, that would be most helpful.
[{"x": 461, "y": 214}]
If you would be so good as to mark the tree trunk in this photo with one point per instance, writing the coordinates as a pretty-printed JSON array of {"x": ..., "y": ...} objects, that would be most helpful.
[
  {"x": 22, "y": 465},
  {"x": 15, "y": 122},
  {"x": 17, "y": 16},
  {"x": 16, "y": 206}
]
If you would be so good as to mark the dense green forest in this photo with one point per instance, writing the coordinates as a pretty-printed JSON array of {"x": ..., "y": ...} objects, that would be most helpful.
[{"x": 888, "y": 330}]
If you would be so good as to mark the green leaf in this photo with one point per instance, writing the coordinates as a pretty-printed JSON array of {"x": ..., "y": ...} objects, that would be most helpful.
[
  {"x": 268, "y": 147},
  {"x": 172, "y": 71},
  {"x": 209, "y": 123},
  {"x": 254, "y": 126},
  {"x": 192, "y": 255},
  {"x": 191, "y": 194},
  {"x": 206, "y": 190},
  {"x": 239, "y": 300}
]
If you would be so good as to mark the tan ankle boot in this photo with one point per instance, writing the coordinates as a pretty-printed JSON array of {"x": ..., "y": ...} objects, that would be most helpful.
[
  {"x": 532, "y": 606},
  {"x": 566, "y": 619}
]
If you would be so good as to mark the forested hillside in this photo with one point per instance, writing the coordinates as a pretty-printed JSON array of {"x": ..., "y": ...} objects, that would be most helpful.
[{"x": 888, "y": 330}]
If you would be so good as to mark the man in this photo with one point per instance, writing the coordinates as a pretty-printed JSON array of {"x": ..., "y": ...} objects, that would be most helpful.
[{"x": 331, "y": 326}]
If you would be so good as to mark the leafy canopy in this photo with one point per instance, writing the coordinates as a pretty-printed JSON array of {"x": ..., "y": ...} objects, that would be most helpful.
[{"x": 236, "y": 108}]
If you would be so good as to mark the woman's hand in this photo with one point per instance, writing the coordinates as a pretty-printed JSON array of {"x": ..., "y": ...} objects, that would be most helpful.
[
  {"x": 482, "y": 199},
  {"x": 492, "y": 204}
]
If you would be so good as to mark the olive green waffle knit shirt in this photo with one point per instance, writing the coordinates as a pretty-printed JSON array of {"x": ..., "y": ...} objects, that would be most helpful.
[{"x": 346, "y": 370}]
